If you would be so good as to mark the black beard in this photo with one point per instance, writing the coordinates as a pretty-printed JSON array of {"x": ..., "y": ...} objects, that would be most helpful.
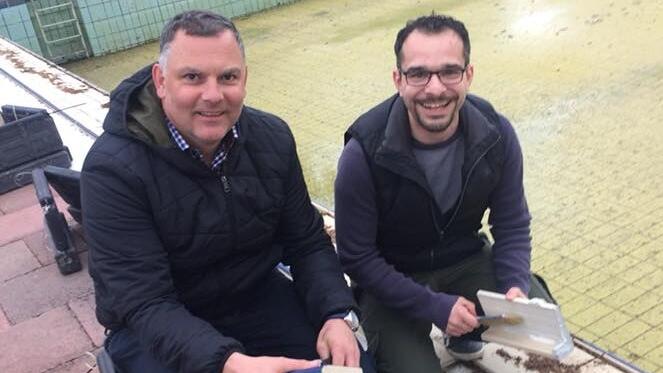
[{"x": 438, "y": 127}]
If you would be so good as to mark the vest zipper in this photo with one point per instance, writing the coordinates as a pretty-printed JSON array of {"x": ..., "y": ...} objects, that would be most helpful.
[
  {"x": 432, "y": 251},
  {"x": 462, "y": 195}
]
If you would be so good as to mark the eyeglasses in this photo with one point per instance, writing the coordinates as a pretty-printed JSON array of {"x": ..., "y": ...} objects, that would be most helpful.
[{"x": 420, "y": 77}]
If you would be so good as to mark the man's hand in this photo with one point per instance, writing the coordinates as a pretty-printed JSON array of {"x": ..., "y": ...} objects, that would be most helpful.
[
  {"x": 240, "y": 363},
  {"x": 462, "y": 319},
  {"x": 515, "y": 292},
  {"x": 336, "y": 339}
]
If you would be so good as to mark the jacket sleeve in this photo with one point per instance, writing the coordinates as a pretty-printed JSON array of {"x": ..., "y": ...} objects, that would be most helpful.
[
  {"x": 308, "y": 250},
  {"x": 510, "y": 218},
  {"x": 356, "y": 235},
  {"x": 131, "y": 271}
]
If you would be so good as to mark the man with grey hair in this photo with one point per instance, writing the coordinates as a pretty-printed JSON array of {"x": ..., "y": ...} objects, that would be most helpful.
[{"x": 190, "y": 200}]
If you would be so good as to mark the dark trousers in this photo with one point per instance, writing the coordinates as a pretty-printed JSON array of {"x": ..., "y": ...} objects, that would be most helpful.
[
  {"x": 403, "y": 345},
  {"x": 273, "y": 323}
]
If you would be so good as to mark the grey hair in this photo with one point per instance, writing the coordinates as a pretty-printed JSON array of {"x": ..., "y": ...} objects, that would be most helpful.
[{"x": 195, "y": 23}]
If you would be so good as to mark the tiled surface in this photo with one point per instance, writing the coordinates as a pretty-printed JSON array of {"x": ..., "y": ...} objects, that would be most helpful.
[
  {"x": 577, "y": 90},
  {"x": 15, "y": 24},
  {"x": 113, "y": 25},
  {"x": 58, "y": 29},
  {"x": 579, "y": 80}
]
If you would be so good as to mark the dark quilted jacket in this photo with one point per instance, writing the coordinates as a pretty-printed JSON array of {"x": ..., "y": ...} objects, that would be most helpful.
[{"x": 172, "y": 242}]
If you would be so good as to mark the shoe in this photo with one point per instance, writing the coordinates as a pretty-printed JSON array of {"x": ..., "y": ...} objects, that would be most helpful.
[{"x": 465, "y": 349}]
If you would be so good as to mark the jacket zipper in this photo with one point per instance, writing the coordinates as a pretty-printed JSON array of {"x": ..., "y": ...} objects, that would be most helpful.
[
  {"x": 462, "y": 195},
  {"x": 227, "y": 194}
]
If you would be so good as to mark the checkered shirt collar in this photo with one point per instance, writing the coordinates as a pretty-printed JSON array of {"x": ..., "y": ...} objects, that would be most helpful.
[{"x": 221, "y": 152}]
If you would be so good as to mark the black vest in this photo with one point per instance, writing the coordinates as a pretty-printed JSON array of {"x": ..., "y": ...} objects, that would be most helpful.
[{"x": 412, "y": 234}]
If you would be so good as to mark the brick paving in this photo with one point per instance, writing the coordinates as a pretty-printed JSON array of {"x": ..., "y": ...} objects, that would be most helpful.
[
  {"x": 17, "y": 199},
  {"x": 16, "y": 260},
  {"x": 581, "y": 81},
  {"x": 47, "y": 321},
  {"x": 43, "y": 342},
  {"x": 18, "y": 224},
  {"x": 4, "y": 323}
]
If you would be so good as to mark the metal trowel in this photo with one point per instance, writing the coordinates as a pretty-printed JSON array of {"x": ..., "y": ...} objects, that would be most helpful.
[{"x": 505, "y": 318}]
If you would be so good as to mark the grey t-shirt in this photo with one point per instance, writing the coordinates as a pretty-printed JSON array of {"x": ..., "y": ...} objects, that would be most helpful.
[{"x": 442, "y": 164}]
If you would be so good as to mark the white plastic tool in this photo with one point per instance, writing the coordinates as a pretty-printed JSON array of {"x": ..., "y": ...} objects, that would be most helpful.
[{"x": 541, "y": 331}]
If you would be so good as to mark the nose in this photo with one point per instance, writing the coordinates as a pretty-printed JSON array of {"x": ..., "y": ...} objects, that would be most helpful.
[
  {"x": 212, "y": 91},
  {"x": 435, "y": 84}
]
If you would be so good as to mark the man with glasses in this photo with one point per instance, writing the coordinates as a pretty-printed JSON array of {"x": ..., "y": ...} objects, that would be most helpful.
[
  {"x": 190, "y": 200},
  {"x": 414, "y": 180}
]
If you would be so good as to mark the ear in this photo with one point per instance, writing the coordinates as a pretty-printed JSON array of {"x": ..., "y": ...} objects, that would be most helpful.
[
  {"x": 158, "y": 78},
  {"x": 469, "y": 74},
  {"x": 397, "y": 78},
  {"x": 246, "y": 74}
]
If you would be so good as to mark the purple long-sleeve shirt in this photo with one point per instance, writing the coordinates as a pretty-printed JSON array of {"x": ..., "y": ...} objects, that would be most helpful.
[{"x": 356, "y": 230}]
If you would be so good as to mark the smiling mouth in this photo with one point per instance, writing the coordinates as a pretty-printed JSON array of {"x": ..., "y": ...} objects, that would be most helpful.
[
  {"x": 437, "y": 104},
  {"x": 210, "y": 114}
]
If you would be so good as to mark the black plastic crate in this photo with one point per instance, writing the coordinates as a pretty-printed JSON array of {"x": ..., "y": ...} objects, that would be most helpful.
[
  {"x": 27, "y": 135},
  {"x": 29, "y": 139},
  {"x": 20, "y": 175},
  {"x": 11, "y": 113}
]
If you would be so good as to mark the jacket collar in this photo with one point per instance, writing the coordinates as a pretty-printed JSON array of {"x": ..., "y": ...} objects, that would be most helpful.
[
  {"x": 479, "y": 133},
  {"x": 135, "y": 112}
]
